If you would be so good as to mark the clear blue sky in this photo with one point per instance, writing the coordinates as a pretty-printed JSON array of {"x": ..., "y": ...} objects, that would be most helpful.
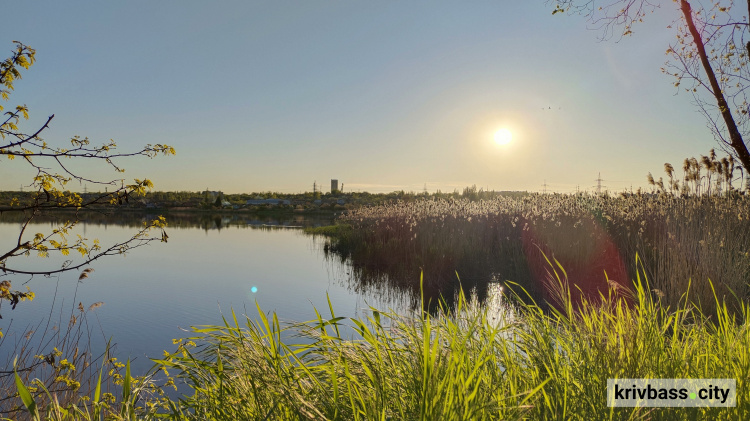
[{"x": 381, "y": 95}]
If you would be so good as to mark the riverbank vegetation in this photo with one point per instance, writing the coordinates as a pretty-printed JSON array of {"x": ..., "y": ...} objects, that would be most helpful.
[
  {"x": 457, "y": 364},
  {"x": 683, "y": 243}
]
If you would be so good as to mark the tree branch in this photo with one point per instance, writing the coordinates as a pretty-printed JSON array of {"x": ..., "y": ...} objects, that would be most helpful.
[{"x": 734, "y": 134}]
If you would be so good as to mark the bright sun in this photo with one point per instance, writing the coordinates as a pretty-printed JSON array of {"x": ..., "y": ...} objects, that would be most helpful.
[{"x": 503, "y": 137}]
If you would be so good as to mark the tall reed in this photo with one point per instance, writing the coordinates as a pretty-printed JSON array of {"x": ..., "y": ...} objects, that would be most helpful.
[{"x": 679, "y": 240}]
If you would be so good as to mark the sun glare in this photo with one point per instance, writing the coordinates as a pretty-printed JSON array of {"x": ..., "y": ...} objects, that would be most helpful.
[{"x": 503, "y": 136}]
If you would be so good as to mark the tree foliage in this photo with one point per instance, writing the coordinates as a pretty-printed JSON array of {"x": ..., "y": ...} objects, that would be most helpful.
[
  {"x": 709, "y": 58},
  {"x": 55, "y": 167}
]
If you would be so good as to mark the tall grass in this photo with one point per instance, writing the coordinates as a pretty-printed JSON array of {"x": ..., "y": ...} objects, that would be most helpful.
[
  {"x": 459, "y": 364},
  {"x": 679, "y": 240},
  {"x": 52, "y": 370},
  {"x": 95, "y": 406}
]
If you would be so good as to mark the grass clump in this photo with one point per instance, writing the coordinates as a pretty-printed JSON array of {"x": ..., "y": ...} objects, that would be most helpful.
[
  {"x": 460, "y": 364},
  {"x": 338, "y": 230}
]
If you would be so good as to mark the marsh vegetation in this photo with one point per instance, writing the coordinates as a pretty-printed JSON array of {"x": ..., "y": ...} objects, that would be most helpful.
[{"x": 696, "y": 244}]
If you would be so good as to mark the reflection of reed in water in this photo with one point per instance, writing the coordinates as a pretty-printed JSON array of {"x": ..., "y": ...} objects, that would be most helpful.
[
  {"x": 397, "y": 283},
  {"x": 382, "y": 294}
]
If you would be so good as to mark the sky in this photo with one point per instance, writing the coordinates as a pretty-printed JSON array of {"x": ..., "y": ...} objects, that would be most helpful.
[{"x": 383, "y": 96}]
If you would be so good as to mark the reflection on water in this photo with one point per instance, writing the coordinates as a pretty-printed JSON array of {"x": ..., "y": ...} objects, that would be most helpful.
[
  {"x": 213, "y": 263},
  {"x": 399, "y": 279},
  {"x": 401, "y": 287},
  {"x": 498, "y": 311},
  {"x": 202, "y": 220}
]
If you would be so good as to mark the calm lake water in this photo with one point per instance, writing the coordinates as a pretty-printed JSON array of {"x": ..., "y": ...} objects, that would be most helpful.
[{"x": 209, "y": 266}]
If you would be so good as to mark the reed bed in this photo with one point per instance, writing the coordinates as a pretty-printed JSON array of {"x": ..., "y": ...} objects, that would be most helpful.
[{"x": 681, "y": 241}]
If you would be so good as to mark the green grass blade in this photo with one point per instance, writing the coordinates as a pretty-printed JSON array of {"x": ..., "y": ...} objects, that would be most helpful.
[{"x": 23, "y": 392}]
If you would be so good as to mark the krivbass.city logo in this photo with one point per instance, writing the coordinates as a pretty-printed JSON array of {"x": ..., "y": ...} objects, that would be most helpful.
[{"x": 671, "y": 392}]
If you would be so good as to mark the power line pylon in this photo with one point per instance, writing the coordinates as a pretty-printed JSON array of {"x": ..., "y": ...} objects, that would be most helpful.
[{"x": 599, "y": 184}]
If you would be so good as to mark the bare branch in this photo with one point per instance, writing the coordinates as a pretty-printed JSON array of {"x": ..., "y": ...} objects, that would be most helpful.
[{"x": 712, "y": 52}]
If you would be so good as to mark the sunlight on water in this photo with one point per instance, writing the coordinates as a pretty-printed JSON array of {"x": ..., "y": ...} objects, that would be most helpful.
[{"x": 498, "y": 311}]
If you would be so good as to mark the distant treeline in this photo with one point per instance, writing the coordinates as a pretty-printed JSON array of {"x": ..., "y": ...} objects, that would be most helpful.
[{"x": 216, "y": 199}]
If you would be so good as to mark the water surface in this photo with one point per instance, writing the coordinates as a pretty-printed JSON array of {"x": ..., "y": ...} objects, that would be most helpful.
[{"x": 208, "y": 267}]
